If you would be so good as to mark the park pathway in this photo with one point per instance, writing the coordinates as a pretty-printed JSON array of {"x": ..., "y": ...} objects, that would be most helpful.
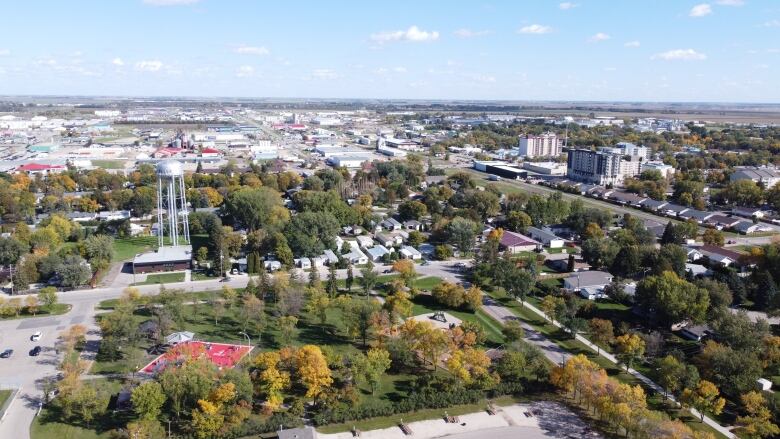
[{"x": 558, "y": 355}]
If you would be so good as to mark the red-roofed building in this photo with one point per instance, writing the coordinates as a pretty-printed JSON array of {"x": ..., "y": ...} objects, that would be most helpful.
[
  {"x": 516, "y": 243},
  {"x": 210, "y": 153},
  {"x": 39, "y": 169},
  {"x": 167, "y": 152}
]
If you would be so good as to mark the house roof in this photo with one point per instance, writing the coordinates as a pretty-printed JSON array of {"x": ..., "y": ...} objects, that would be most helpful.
[
  {"x": 38, "y": 167},
  {"x": 512, "y": 239},
  {"x": 723, "y": 220},
  {"x": 209, "y": 151},
  {"x": 590, "y": 278},
  {"x": 720, "y": 251}
]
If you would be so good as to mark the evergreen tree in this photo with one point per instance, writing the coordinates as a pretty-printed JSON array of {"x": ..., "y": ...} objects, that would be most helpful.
[
  {"x": 332, "y": 286},
  {"x": 314, "y": 277},
  {"x": 350, "y": 277}
]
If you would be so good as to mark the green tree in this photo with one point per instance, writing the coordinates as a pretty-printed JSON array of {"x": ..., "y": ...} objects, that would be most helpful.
[
  {"x": 99, "y": 250},
  {"x": 47, "y": 297},
  {"x": 310, "y": 233},
  {"x": 350, "y": 277},
  {"x": 630, "y": 348},
  {"x": 671, "y": 299},
  {"x": 518, "y": 221},
  {"x": 704, "y": 397},
  {"x": 671, "y": 373},
  {"x": 461, "y": 233},
  {"x": 256, "y": 208},
  {"x": 368, "y": 278},
  {"x": 412, "y": 210},
  {"x": 331, "y": 287},
  {"x": 73, "y": 272},
  {"x": 601, "y": 332},
  {"x": 148, "y": 399},
  {"x": 713, "y": 237}
]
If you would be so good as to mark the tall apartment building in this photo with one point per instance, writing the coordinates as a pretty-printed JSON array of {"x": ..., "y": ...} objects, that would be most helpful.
[
  {"x": 546, "y": 145},
  {"x": 599, "y": 167}
]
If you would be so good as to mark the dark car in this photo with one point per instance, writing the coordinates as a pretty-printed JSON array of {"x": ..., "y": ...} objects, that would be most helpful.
[
  {"x": 35, "y": 351},
  {"x": 6, "y": 353}
]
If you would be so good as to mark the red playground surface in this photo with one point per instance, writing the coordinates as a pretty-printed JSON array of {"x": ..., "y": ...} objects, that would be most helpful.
[{"x": 222, "y": 355}]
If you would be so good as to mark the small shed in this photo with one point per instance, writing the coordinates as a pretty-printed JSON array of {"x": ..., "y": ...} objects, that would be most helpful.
[{"x": 763, "y": 384}]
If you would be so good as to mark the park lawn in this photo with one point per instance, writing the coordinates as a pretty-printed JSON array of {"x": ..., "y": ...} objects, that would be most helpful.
[
  {"x": 4, "y": 395},
  {"x": 427, "y": 283},
  {"x": 424, "y": 304},
  {"x": 108, "y": 164},
  {"x": 57, "y": 309},
  {"x": 162, "y": 278},
  {"x": 45, "y": 425},
  {"x": 127, "y": 248},
  {"x": 421, "y": 415},
  {"x": 203, "y": 275},
  {"x": 562, "y": 339}
]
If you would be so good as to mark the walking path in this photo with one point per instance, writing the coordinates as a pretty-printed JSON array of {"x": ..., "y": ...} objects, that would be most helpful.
[{"x": 559, "y": 356}]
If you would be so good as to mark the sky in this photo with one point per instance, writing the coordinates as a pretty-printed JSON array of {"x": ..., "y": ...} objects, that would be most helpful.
[{"x": 582, "y": 50}]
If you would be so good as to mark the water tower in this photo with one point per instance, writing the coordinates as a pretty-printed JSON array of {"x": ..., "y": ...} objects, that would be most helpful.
[{"x": 171, "y": 199}]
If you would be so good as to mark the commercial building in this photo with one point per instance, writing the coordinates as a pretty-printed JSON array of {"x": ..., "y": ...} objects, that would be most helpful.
[
  {"x": 516, "y": 243},
  {"x": 629, "y": 149},
  {"x": 545, "y": 145},
  {"x": 545, "y": 168},
  {"x": 500, "y": 169},
  {"x": 348, "y": 161},
  {"x": 169, "y": 258},
  {"x": 665, "y": 170}
]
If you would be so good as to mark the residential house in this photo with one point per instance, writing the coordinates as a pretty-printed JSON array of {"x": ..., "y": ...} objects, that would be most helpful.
[
  {"x": 377, "y": 252},
  {"x": 720, "y": 255},
  {"x": 330, "y": 257},
  {"x": 696, "y": 215},
  {"x": 746, "y": 227},
  {"x": 696, "y": 332},
  {"x": 413, "y": 225},
  {"x": 721, "y": 222},
  {"x": 654, "y": 205},
  {"x": 674, "y": 209},
  {"x": 697, "y": 270},
  {"x": 546, "y": 237},
  {"x": 391, "y": 224},
  {"x": 388, "y": 240},
  {"x": 626, "y": 198},
  {"x": 355, "y": 256},
  {"x": 364, "y": 241},
  {"x": 303, "y": 263},
  {"x": 516, "y": 242},
  {"x": 748, "y": 212},
  {"x": 409, "y": 252},
  {"x": 587, "y": 279}
]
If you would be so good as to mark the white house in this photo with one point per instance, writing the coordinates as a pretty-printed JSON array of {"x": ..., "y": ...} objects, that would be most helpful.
[
  {"x": 391, "y": 224},
  {"x": 409, "y": 252},
  {"x": 546, "y": 237},
  {"x": 377, "y": 252},
  {"x": 364, "y": 241},
  {"x": 587, "y": 279}
]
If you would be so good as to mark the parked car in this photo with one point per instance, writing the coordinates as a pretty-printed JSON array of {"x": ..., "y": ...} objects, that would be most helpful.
[
  {"x": 35, "y": 351},
  {"x": 387, "y": 271},
  {"x": 7, "y": 353},
  {"x": 36, "y": 336}
]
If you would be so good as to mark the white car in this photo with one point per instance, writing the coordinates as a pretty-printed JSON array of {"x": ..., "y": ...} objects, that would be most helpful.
[{"x": 37, "y": 336}]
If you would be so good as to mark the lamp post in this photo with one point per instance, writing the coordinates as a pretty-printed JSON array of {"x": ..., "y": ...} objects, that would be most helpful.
[{"x": 248, "y": 340}]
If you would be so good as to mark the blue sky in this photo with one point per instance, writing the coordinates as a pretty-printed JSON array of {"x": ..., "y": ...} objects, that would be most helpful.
[{"x": 626, "y": 50}]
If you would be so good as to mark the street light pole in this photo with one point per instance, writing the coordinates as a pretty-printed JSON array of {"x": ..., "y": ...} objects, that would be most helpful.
[{"x": 248, "y": 340}]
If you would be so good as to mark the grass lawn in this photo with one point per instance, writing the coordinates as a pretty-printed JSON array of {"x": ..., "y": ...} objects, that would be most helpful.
[
  {"x": 424, "y": 304},
  {"x": 4, "y": 395},
  {"x": 203, "y": 275},
  {"x": 46, "y": 426},
  {"x": 108, "y": 164},
  {"x": 162, "y": 278},
  {"x": 57, "y": 309},
  {"x": 421, "y": 415},
  {"x": 126, "y": 248}
]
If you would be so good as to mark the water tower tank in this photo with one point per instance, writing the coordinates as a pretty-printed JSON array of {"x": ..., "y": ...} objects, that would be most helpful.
[{"x": 170, "y": 168}]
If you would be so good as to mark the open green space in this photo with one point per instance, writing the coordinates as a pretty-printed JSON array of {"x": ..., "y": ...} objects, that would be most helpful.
[
  {"x": 162, "y": 278},
  {"x": 424, "y": 304},
  {"x": 56, "y": 309},
  {"x": 126, "y": 248},
  {"x": 4, "y": 395},
  {"x": 108, "y": 164},
  {"x": 421, "y": 415},
  {"x": 655, "y": 401},
  {"x": 47, "y": 425}
]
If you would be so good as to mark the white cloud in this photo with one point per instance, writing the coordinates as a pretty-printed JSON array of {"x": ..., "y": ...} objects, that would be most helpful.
[
  {"x": 468, "y": 33},
  {"x": 700, "y": 10},
  {"x": 632, "y": 44},
  {"x": 324, "y": 74},
  {"x": 414, "y": 34},
  {"x": 601, "y": 36},
  {"x": 537, "y": 29},
  {"x": 245, "y": 71},
  {"x": 399, "y": 69},
  {"x": 680, "y": 55},
  {"x": 5, "y": 52},
  {"x": 252, "y": 50},
  {"x": 117, "y": 61},
  {"x": 149, "y": 65},
  {"x": 170, "y": 2},
  {"x": 730, "y": 2},
  {"x": 565, "y": 6},
  {"x": 771, "y": 23}
]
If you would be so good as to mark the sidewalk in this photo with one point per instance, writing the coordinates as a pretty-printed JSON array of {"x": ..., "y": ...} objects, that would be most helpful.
[{"x": 558, "y": 356}]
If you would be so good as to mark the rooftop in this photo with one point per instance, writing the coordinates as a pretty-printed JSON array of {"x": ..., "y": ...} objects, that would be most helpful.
[{"x": 165, "y": 254}]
